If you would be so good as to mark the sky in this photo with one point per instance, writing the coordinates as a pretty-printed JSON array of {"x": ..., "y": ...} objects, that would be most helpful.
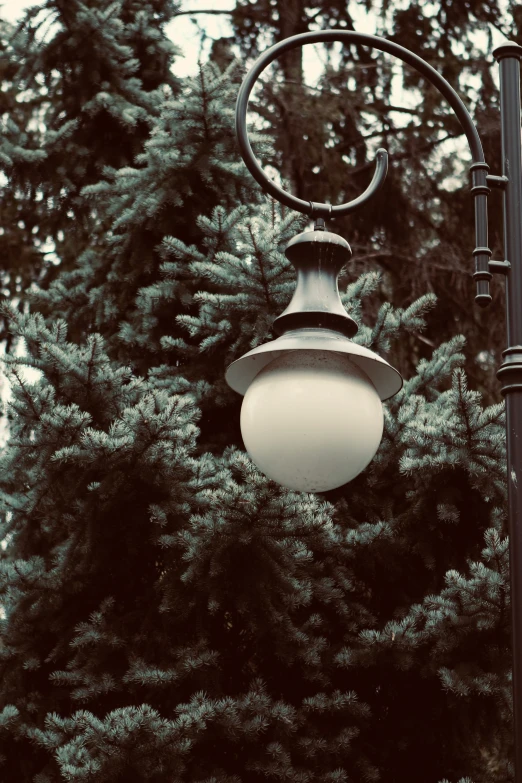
[
  {"x": 185, "y": 31},
  {"x": 11, "y": 9}
]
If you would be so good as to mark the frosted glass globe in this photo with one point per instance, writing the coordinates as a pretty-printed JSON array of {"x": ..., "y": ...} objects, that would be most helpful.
[{"x": 311, "y": 420}]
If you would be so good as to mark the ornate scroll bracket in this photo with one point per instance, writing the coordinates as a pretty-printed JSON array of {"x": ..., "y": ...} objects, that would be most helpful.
[{"x": 479, "y": 168}]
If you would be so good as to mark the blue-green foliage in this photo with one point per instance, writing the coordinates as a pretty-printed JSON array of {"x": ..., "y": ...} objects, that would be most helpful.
[
  {"x": 189, "y": 166},
  {"x": 170, "y": 613},
  {"x": 83, "y": 82}
]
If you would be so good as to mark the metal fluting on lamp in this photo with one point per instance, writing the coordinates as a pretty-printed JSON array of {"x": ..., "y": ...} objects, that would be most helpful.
[
  {"x": 318, "y": 257},
  {"x": 312, "y": 415}
]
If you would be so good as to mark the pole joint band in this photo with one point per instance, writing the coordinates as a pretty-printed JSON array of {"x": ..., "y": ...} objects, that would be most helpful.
[{"x": 510, "y": 371}]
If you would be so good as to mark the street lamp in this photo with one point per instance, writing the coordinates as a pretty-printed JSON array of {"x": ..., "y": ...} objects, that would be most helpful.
[{"x": 312, "y": 415}]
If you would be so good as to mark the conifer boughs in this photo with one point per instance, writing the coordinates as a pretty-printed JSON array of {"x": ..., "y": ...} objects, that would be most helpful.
[
  {"x": 189, "y": 166},
  {"x": 82, "y": 83},
  {"x": 169, "y": 613}
]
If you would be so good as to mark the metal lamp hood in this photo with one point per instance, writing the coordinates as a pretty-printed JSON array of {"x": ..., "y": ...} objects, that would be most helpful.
[
  {"x": 316, "y": 319},
  {"x": 386, "y": 379}
]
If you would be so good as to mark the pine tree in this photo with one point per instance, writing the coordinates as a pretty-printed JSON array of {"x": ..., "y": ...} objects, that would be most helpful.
[
  {"x": 82, "y": 83},
  {"x": 170, "y": 613}
]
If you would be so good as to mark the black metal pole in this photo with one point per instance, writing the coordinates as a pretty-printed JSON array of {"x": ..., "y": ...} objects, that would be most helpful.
[{"x": 510, "y": 372}]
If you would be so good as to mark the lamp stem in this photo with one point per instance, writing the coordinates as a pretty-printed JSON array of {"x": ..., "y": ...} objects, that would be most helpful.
[{"x": 510, "y": 373}]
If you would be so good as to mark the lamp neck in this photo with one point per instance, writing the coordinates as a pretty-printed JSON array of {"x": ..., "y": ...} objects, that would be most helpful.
[{"x": 318, "y": 257}]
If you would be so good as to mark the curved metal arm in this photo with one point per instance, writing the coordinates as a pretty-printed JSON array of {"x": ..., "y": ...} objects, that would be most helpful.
[
  {"x": 479, "y": 167},
  {"x": 311, "y": 208}
]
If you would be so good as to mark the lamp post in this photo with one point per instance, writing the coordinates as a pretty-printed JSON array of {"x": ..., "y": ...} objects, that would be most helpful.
[{"x": 295, "y": 420}]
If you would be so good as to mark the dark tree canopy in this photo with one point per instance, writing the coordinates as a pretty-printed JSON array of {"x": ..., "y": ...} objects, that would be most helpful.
[{"x": 169, "y": 613}]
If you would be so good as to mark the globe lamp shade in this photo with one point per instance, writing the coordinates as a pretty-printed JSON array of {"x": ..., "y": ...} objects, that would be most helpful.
[{"x": 311, "y": 420}]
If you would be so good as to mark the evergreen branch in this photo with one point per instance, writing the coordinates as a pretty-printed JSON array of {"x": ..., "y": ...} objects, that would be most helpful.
[
  {"x": 424, "y": 340},
  {"x": 425, "y": 148},
  {"x": 371, "y": 256},
  {"x": 462, "y": 388},
  {"x": 382, "y": 108},
  {"x": 322, "y": 91},
  {"x": 452, "y": 269},
  {"x": 204, "y": 11},
  {"x": 388, "y": 132},
  {"x": 500, "y": 29}
]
